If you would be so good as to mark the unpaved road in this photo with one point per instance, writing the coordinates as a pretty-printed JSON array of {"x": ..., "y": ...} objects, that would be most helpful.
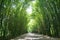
[{"x": 33, "y": 36}]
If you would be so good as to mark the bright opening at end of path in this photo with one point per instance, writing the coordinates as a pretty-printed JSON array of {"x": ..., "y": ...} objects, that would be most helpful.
[
  {"x": 29, "y": 12},
  {"x": 30, "y": 25}
]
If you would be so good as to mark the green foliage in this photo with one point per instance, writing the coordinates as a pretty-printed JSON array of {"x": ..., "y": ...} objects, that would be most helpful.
[
  {"x": 14, "y": 20},
  {"x": 46, "y": 13}
]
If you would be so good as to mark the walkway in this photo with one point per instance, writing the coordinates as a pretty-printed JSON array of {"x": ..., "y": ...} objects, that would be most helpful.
[{"x": 33, "y": 36}]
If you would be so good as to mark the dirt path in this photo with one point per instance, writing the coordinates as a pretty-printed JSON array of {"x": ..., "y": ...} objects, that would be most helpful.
[{"x": 33, "y": 36}]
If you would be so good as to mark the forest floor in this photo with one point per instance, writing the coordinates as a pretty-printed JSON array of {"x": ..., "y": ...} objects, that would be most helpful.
[{"x": 34, "y": 36}]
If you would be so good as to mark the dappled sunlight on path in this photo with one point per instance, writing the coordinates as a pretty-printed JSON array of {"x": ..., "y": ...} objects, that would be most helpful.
[{"x": 34, "y": 36}]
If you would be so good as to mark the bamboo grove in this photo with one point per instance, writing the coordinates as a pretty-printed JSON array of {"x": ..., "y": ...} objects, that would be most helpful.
[
  {"x": 46, "y": 13},
  {"x": 14, "y": 19}
]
